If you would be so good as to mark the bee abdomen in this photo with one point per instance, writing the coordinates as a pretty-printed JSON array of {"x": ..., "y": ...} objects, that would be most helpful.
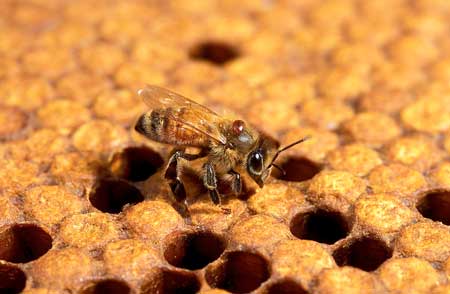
[{"x": 157, "y": 125}]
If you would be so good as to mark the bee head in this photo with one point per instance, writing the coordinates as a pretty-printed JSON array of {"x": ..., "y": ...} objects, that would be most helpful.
[{"x": 261, "y": 160}]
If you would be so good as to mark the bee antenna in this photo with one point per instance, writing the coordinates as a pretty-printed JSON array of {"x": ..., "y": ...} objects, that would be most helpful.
[
  {"x": 289, "y": 146},
  {"x": 279, "y": 168},
  {"x": 293, "y": 144}
]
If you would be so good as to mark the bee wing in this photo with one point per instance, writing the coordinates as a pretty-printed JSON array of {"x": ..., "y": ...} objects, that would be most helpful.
[{"x": 186, "y": 112}]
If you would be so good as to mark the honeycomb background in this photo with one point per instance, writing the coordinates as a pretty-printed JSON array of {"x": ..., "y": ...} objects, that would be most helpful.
[{"x": 365, "y": 204}]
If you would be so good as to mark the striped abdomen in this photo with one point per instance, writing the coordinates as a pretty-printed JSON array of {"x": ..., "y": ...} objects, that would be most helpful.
[{"x": 159, "y": 125}]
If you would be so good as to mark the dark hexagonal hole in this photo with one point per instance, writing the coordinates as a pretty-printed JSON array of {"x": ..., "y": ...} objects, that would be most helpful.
[
  {"x": 216, "y": 52},
  {"x": 24, "y": 243},
  {"x": 285, "y": 286},
  {"x": 108, "y": 286},
  {"x": 240, "y": 272},
  {"x": 172, "y": 282},
  {"x": 193, "y": 250},
  {"x": 297, "y": 169},
  {"x": 366, "y": 253},
  {"x": 12, "y": 279},
  {"x": 321, "y": 225},
  {"x": 136, "y": 163},
  {"x": 436, "y": 206},
  {"x": 111, "y": 195}
]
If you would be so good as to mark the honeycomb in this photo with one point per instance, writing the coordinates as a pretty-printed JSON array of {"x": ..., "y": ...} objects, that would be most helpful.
[{"x": 363, "y": 208}]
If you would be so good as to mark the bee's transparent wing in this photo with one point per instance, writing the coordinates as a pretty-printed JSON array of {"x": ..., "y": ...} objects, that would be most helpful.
[{"x": 188, "y": 113}]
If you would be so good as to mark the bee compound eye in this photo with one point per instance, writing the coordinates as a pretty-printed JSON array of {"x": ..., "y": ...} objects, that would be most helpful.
[{"x": 256, "y": 162}]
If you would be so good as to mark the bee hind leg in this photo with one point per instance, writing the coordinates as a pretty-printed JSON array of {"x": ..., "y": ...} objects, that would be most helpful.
[{"x": 210, "y": 182}]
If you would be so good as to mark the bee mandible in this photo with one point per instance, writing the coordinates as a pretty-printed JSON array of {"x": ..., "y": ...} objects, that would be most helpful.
[{"x": 230, "y": 146}]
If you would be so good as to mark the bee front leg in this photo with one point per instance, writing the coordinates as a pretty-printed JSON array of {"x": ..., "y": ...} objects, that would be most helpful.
[
  {"x": 210, "y": 182},
  {"x": 236, "y": 184}
]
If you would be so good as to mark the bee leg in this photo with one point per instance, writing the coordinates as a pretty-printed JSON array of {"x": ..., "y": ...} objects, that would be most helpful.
[
  {"x": 210, "y": 182},
  {"x": 172, "y": 174},
  {"x": 236, "y": 184}
]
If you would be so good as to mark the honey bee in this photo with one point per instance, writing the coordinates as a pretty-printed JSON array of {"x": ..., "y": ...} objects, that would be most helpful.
[{"x": 230, "y": 146}]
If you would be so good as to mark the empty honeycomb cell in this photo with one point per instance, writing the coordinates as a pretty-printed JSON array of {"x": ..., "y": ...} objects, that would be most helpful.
[
  {"x": 297, "y": 169},
  {"x": 396, "y": 178},
  {"x": 153, "y": 220},
  {"x": 285, "y": 286},
  {"x": 325, "y": 114},
  {"x": 441, "y": 174},
  {"x": 216, "y": 52},
  {"x": 112, "y": 286},
  {"x": 418, "y": 152},
  {"x": 50, "y": 204},
  {"x": 427, "y": 240},
  {"x": 99, "y": 135},
  {"x": 354, "y": 158},
  {"x": 315, "y": 148},
  {"x": 335, "y": 189},
  {"x": 238, "y": 272},
  {"x": 109, "y": 103},
  {"x": 372, "y": 128},
  {"x": 82, "y": 86},
  {"x": 301, "y": 260},
  {"x": 12, "y": 279},
  {"x": 102, "y": 57},
  {"x": 366, "y": 253},
  {"x": 408, "y": 275},
  {"x": 136, "y": 163},
  {"x": 435, "y": 205},
  {"x": 257, "y": 231},
  {"x": 193, "y": 250},
  {"x": 130, "y": 259},
  {"x": 111, "y": 196},
  {"x": 12, "y": 121},
  {"x": 347, "y": 280},
  {"x": 167, "y": 281},
  {"x": 428, "y": 114},
  {"x": 276, "y": 199},
  {"x": 320, "y": 225},
  {"x": 89, "y": 231},
  {"x": 63, "y": 115},
  {"x": 64, "y": 274},
  {"x": 24, "y": 243},
  {"x": 382, "y": 214}
]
